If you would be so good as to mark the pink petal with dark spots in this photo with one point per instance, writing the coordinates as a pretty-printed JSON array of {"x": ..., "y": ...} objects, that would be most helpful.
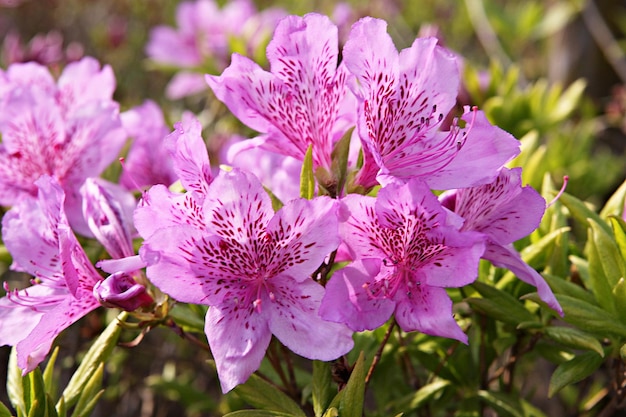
[
  {"x": 238, "y": 337},
  {"x": 296, "y": 323},
  {"x": 428, "y": 310}
]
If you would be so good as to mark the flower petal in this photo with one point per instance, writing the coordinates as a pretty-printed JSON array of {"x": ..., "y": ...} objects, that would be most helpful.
[
  {"x": 238, "y": 338},
  {"x": 507, "y": 257},
  {"x": 346, "y": 300},
  {"x": 428, "y": 310},
  {"x": 296, "y": 323}
]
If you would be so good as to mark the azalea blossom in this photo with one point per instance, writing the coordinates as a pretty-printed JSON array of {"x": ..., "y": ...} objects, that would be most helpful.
[
  {"x": 250, "y": 265},
  {"x": 505, "y": 212},
  {"x": 202, "y": 40},
  {"x": 37, "y": 234},
  {"x": 407, "y": 250},
  {"x": 303, "y": 101},
  {"x": 148, "y": 161},
  {"x": 69, "y": 129},
  {"x": 403, "y": 100}
]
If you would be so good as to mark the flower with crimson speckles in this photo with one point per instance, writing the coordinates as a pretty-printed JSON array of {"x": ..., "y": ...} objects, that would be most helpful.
[
  {"x": 69, "y": 129},
  {"x": 37, "y": 234},
  {"x": 252, "y": 266},
  {"x": 406, "y": 250},
  {"x": 505, "y": 212},
  {"x": 403, "y": 100},
  {"x": 303, "y": 101}
]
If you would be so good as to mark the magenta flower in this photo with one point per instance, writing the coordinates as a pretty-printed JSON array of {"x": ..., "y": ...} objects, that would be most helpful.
[
  {"x": 147, "y": 162},
  {"x": 505, "y": 212},
  {"x": 251, "y": 265},
  {"x": 407, "y": 250},
  {"x": 37, "y": 234},
  {"x": 403, "y": 100},
  {"x": 69, "y": 130},
  {"x": 303, "y": 100}
]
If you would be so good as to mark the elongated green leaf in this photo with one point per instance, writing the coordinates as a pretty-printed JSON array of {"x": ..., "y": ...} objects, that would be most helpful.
[
  {"x": 37, "y": 393},
  {"x": 4, "y": 411},
  {"x": 91, "y": 390},
  {"x": 499, "y": 305},
  {"x": 581, "y": 314},
  {"x": 86, "y": 409},
  {"x": 15, "y": 389},
  {"x": 258, "y": 413},
  {"x": 561, "y": 286},
  {"x": 51, "y": 410},
  {"x": 331, "y": 412},
  {"x": 339, "y": 164},
  {"x": 322, "y": 391},
  {"x": 98, "y": 353},
  {"x": 505, "y": 405},
  {"x": 574, "y": 338},
  {"x": 581, "y": 212},
  {"x": 48, "y": 373},
  {"x": 615, "y": 204},
  {"x": 610, "y": 255},
  {"x": 263, "y": 395},
  {"x": 416, "y": 400},
  {"x": 351, "y": 402},
  {"x": 307, "y": 180},
  {"x": 573, "y": 371},
  {"x": 619, "y": 231},
  {"x": 619, "y": 294}
]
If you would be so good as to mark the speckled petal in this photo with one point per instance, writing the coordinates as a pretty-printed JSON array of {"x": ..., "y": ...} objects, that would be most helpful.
[
  {"x": 428, "y": 310},
  {"x": 238, "y": 338}
]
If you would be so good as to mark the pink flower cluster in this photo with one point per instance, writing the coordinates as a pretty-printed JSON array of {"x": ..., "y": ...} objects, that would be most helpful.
[{"x": 262, "y": 271}]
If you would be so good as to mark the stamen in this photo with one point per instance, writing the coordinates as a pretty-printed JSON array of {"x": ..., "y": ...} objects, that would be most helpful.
[{"x": 561, "y": 191}]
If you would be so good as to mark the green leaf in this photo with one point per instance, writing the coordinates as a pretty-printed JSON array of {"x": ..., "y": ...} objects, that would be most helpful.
[
  {"x": 581, "y": 212},
  {"x": 351, "y": 402},
  {"x": 4, "y": 411},
  {"x": 339, "y": 164},
  {"x": 322, "y": 391},
  {"x": 91, "y": 390},
  {"x": 573, "y": 371},
  {"x": 98, "y": 353},
  {"x": 416, "y": 400},
  {"x": 307, "y": 179},
  {"x": 610, "y": 255},
  {"x": 503, "y": 404},
  {"x": 499, "y": 305},
  {"x": 561, "y": 286},
  {"x": 615, "y": 204},
  {"x": 619, "y": 294},
  {"x": 587, "y": 316},
  {"x": 37, "y": 393},
  {"x": 51, "y": 410},
  {"x": 88, "y": 408},
  {"x": 331, "y": 412},
  {"x": 48, "y": 373},
  {"x": 619, "y": 231},
  {"x": 568, "y": 101},
  {"x": 261, "y": 394},
  {"x": 15, "y": 390},
  {"x": 258, "y": 413},
  {"x": 61, "y": 407},
  {"x": 574, "y": 338}
]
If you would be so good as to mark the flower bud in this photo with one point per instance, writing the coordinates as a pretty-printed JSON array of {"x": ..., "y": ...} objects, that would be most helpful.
[{"x": 122, "y": 291}]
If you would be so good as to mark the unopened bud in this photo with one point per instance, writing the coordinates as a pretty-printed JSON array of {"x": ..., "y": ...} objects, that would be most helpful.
[{"x": 122, "y": 291}]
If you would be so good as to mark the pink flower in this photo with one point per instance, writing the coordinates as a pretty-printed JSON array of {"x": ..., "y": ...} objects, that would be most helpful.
[
  {"x": 303, "y": 100},
  {"x": 505, "y": 212},
  {"x": 403, "y": 100},
  {"x": 69, "y": 129},
  {"x": 37, "y": 234},
  {"x": 202, "y": 39},
  {"x": 148, "y": 161},
  {"x": 407, "y": 250},
  {"x": 251, "y": 265}
]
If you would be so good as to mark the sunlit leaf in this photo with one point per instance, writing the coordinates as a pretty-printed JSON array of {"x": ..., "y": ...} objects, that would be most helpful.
[
  {"x": 265, "y": 396},
  {"x": 573, "y": 371}
]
